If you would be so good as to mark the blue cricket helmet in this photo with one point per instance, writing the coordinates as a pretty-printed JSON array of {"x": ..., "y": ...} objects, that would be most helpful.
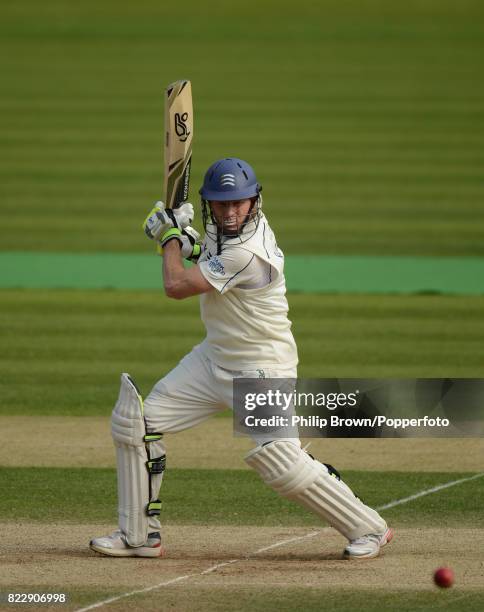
[{"x": 230, "y": 179}]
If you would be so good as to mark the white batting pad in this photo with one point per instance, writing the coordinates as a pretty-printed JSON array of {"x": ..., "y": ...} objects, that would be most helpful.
[
  {"x": 294, "y": 474},
  {"x": 127, "y": 430}
]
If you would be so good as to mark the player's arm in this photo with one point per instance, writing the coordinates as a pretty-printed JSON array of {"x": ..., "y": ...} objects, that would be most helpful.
[
  {"x": 181, "y": 282},
  {"x": 176, "y": 240}
]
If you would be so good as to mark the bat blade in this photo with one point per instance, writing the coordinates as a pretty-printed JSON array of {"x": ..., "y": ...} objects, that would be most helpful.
[{"x": 178, "y": 142}]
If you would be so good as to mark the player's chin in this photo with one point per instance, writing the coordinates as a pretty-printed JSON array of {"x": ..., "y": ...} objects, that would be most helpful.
[{"x": 231, "y": 229}]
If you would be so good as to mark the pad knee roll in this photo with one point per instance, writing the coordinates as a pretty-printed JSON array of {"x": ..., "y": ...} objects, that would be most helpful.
[
  {"x": 294, "y": 474},
  {"x": 127, "y": 424}
]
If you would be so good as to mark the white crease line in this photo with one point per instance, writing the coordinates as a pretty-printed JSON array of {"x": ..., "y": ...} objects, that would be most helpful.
[
  {"x": 284, "y": 542},
  {"x": 312, "y": 534},
  {"x": 446, "y": 485},
  {"x": 137, "y": 592},
  {"x": 215, "y": 567}
]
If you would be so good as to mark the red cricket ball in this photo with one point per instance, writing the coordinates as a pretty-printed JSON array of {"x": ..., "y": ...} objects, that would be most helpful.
[{"x": 444, "y": 577}]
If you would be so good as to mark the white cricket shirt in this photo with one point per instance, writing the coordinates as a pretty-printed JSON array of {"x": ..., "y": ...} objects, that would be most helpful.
[{"x": 246, "y": 315}]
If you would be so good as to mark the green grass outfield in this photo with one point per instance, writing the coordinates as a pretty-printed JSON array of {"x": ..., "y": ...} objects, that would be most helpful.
[
  {"x": 364, "y": 120},
  {"x": 314, "y": 599},
  {"x": 63, "y": 350},
  {"x": 230, "y": 497},
  {"x": 267, "y": 599}
]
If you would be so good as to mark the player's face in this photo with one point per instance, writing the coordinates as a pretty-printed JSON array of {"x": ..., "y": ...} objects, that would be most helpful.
[{"x": 230, "y": 215}]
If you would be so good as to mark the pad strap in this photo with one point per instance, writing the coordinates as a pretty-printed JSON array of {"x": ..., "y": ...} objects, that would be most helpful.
[
  {"x": 154, "y": 508},
  {"x": 152, "y": 437},
  {"x": 156, "y": 466}
]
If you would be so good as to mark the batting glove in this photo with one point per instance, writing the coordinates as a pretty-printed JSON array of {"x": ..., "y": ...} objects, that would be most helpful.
[
  {"x": 189, "y": 239},
  {"x": 160, "y": 219}
]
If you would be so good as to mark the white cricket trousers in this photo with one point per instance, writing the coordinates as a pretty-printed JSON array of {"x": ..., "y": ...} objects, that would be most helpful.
[{"x": 193, "y": 391}]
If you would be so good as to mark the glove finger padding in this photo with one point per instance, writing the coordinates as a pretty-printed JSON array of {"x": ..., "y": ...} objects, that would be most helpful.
[
  {"x": 183, "y": 215},
  {"x": 191, "y": 249},
  {"x": 192, "y": 234},
  {"x": 158, "y": 221}
]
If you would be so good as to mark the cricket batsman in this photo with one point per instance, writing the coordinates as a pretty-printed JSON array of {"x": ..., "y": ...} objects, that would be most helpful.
[{"x": 239, "y": 276}]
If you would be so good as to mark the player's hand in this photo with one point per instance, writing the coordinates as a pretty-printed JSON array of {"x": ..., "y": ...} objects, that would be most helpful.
[
  {"x": 192, "y": 247},
  {"x": 189, "y": 239},
  {"x": 160, "y": 219}
]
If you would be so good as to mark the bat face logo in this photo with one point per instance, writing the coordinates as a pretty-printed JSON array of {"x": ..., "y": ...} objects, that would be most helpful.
[{"x": 181, "y": 128}]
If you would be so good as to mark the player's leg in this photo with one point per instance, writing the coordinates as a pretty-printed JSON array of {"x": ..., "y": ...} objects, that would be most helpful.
[
  {"x": 295, "y": 474},
  {"x": 180, "y": 400},
  {"x": 133, "y": 466},
  {"x": 184, "y": 398}
]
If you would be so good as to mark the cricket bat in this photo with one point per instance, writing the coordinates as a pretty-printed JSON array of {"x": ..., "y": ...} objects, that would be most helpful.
[{"x": 178, "y": 142}]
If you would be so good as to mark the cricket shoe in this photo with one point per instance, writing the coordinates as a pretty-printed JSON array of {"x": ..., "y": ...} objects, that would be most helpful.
[
  {"x": 368, "y": 546},
  {"x": 115, "y": 545}
]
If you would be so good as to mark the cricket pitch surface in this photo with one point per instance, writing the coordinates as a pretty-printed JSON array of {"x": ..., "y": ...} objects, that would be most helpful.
[
  {"x": 232, "y": 544},
  {"x": 218, "y": 568}
]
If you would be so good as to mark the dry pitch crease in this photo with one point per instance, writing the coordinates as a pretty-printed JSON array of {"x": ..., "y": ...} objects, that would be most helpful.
[{"x": 57, "y": 556}]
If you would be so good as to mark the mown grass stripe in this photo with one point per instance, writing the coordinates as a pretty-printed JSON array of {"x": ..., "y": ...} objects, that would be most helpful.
[
  {"x": 63, "y": 350},
  {"x": 233, "y": 497},
  {"x": 306, "y": 274}
]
